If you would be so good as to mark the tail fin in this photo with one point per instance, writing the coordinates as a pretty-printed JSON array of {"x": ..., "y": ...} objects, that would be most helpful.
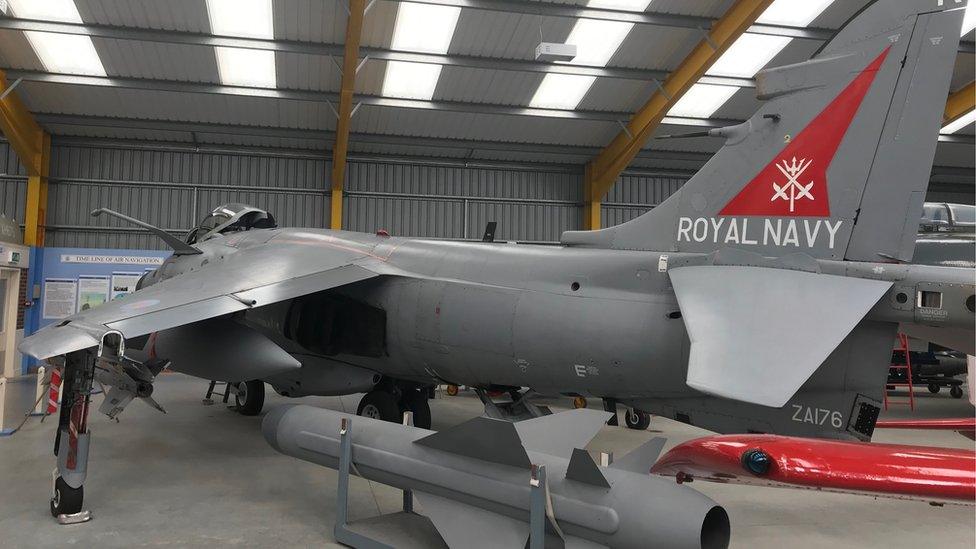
[{"x": 836, "y": 162}]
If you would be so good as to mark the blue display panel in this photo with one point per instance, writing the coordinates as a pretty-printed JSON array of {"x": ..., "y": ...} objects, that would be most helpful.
[{"x": 64, "y": 281}]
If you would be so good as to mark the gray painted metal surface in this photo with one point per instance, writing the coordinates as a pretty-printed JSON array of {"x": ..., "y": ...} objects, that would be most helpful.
[
  {"x": 603, "y": 316},
  {"x": 486, "y": 488}
]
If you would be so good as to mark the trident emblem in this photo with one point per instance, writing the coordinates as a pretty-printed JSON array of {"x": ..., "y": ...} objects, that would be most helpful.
[{"x": 792, "y": 171}]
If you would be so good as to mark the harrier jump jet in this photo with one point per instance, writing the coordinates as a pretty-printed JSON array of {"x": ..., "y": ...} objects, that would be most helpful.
[{"x": 763, "y": 296}]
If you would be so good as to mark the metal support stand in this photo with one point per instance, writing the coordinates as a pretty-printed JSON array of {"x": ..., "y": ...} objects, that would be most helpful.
[
  {"x": 229, "y": 389},
  {"x": 343, "y": 531},
  {"x": 408, "y": 494},
  {"x": 537, "y": 508},
  {"x": 542, "y": 519}
]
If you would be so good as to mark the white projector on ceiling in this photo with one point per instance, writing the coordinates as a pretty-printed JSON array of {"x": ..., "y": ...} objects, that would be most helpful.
[{"x": 550, "y": 51}]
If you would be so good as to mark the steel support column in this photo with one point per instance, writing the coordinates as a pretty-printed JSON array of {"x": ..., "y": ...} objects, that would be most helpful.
[
  {"x": 960, "y": 103},
  {"x": 33, "y": 147},
  {"x": 607, "y": 166},
  {"x": 350, "y": 62},
  {"x": 35, "y": 215}
]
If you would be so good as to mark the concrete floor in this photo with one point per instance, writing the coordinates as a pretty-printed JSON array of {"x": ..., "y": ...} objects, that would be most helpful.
[{"x": 204, "y": 476}]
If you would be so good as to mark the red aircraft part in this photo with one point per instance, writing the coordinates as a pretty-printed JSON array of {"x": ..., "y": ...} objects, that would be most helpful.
[{"x": 912, "y": 472}]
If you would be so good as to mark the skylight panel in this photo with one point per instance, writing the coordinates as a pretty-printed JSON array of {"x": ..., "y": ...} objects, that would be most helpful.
[
  {"x": 64, "y": 53},
  {"x": 702, "y": 100},
  {"x": 51, "y": 10},
  {"x": 245, "y": 18},
  {"x": 793, "y": 13},
  {"x": 749, "y": 54},
  {"x": 959, "y": 123},
  {"x": 249, "y": 19},
  {"x": 561, "y": 91},
  {"x": 424, "y": 28},
  {"x": 596, "y": 41},
  {"x": 410, "y": 80},
  {"x": 241, "y": 67},
  {"x": 623, "y": 5}
]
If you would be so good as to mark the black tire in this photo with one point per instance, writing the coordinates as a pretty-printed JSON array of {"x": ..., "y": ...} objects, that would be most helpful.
[
  {"x": 417, "y": 402},
  {"x": 955, "y": 391},
  {"x": 380, "y": 405},
  {"x": 637, "y": 419},
  {"x": 250, "y": 397},
  {"x": 66, "y": 500},
  {"x": 934, "y": 388}
]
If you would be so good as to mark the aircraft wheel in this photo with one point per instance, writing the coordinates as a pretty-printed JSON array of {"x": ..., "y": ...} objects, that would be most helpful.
[
  {"x": 637, "y": 419},
  {"x": 417, "y": 402},
  {"x": 955, "y": 391},
  {"x": 380, "y": 405},
  {"x": 250, "y": 397},
  {"x": 452, "y": 390},
  {"x": 933, "y": 388},
  {"x": 579, "y": 402},
  {"x": 66, "y": 500}
]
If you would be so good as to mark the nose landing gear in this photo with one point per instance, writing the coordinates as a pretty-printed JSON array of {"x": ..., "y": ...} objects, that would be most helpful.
[{"x": 72, "y": 440}]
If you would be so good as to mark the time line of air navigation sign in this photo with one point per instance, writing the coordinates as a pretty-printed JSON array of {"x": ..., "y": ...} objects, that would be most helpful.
[{"x": 64, "y": 297}]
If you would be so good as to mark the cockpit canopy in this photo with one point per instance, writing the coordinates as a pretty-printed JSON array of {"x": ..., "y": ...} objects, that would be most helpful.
[{"x": 230, "y": 218}]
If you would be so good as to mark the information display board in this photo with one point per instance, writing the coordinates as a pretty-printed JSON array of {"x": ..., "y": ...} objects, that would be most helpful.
[{"x": 64, "y": 281}]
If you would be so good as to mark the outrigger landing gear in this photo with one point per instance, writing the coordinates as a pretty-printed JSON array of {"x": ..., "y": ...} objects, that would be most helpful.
[{"x": 73, "y": 439}]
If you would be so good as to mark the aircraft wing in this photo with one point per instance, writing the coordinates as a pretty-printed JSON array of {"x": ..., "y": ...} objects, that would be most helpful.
[
  {"x": 758, "y": 333},
  {"x": 893, "y": 470},
  {"x": 286, "y": 266}
]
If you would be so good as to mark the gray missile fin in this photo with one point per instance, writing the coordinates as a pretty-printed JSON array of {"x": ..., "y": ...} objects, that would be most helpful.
[
  {"x": 640, "y": 459},
  {"x": 482, "y": 438},
  {"x": 463, "y": 525},
  {"x": 758, "y": 334},
  {"x": 582, "y": 468},
  {"x": 558, "y": 434}
]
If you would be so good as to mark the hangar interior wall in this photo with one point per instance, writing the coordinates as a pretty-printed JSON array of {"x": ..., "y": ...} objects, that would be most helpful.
[{"x": 175, "y": 186}]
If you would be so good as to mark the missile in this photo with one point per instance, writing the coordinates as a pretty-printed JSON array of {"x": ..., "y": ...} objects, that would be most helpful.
[{"x": 473, "y": 480}]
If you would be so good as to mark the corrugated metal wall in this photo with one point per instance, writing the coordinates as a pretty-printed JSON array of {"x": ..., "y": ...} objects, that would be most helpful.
[
  {"x": 635, "y": 194},
  {"x": 174, "y": 187},
  {"x": 457, "y": 201},
  {"x": 13, "y": 179}
]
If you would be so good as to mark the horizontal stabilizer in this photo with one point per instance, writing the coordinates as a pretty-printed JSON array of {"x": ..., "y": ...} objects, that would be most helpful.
[
  {"x": 640, "y": 459},
  {"x": 559, "y": 434},
  {"x": 757, "y": 333},
  {"x": 482, "y": 438},
  {"x": 582, "y": 468}
]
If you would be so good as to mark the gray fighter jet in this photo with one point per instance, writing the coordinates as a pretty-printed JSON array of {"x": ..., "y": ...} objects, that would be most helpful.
[{"x": 763, "y": 296}]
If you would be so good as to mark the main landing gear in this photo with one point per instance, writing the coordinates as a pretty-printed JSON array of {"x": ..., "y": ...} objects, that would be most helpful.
[
  {"x": 388, "y": 401},
  {"x": 637, "y": 419},
  {"x": 72, "y": 439}
]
